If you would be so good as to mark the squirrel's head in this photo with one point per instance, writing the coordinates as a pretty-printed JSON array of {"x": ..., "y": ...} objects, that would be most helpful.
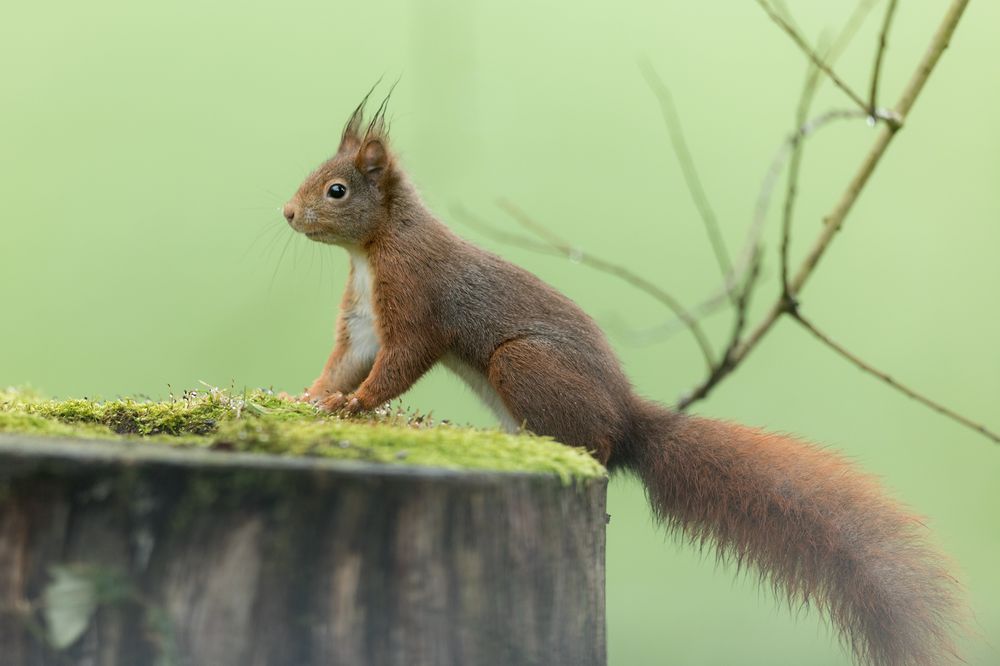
[{"x": 346, "y": 200}]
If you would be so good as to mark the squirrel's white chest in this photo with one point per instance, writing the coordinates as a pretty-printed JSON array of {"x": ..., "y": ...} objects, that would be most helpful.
[{"x": 360, "y": 319}]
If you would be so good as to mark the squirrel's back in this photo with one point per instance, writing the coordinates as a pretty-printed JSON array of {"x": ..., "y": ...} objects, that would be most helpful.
[{"x": 486, "y": 300}]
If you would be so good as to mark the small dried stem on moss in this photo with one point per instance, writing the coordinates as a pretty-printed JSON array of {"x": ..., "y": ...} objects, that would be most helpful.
[{"x": 902, "y": 388}]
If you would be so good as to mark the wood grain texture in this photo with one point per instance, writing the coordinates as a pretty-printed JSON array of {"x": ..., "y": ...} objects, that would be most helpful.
[{"x": 244, "y": 559}]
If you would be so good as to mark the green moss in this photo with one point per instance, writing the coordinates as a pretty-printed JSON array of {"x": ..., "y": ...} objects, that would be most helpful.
[
  {"x": 261, "y": 422},
  {"x": 38, "y": 425}
]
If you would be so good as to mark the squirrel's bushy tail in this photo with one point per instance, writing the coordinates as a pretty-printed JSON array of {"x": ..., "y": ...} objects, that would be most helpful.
[{"x": 820, "y": 531}]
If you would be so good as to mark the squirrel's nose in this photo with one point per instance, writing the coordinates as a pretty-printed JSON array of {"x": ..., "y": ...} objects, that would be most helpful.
[{"x": 289, "y": 211}]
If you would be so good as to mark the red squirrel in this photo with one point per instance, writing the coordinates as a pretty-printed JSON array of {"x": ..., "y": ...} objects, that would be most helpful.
[{"x": 818, "y": 530}]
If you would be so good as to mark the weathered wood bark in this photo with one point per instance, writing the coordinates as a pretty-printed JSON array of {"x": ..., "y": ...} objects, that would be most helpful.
[{"x": 216, "y": 559}]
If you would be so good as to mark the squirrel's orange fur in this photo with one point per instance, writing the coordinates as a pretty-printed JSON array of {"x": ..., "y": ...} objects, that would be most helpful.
[{"x": 815, "y": 527}]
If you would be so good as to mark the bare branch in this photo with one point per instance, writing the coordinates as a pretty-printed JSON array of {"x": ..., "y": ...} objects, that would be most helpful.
[
  {"x": 883, "y": 40},
  {"x": 905, "y": 390},
  {"x": 619, "y": 271},
  {"x": 502, "y": 236},
  {"x": 725, "y": 365},
  {"x": 743, "y": 303},
  {"x": 553, "y": 245},
  {"x": 539, "y": 229},
  {"x": 664, "y": 330},
  {"x": 835, "y": 219},
  {"x": 797, "y": 139},
  {"x": 791, "y": 191},
  {"x": 849, "y": 29},
  {"x": 676, "y": 131},
  {"x": 810, "y": 53},
  {"x": 751, "y": 244}
]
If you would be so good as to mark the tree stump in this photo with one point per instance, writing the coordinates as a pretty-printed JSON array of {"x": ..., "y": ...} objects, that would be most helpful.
[{"x": 117, "y": 553}]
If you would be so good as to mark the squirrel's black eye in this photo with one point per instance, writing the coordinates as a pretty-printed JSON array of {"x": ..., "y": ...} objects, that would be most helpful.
[{"x": 337, "y": 191}]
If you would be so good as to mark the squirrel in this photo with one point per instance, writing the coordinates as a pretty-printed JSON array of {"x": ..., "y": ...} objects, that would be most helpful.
[{"x": 818, "y": 529}]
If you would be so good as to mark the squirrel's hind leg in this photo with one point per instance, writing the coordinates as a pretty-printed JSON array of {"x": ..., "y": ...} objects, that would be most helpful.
[{"x": 529, "y": 373}]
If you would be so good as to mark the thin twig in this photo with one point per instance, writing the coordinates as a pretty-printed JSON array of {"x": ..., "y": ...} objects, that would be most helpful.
[
  {"x": 791, "y": 190},
  {"x": 714, "y": 302},
  {"x": 662, "y": 331},
  {"x": 805, "y": 129},
  {"x": 751, "y": 243},
  {"x": 619, "y": 271},
  {"x": 676, "y": 131},
  {"x": 849, "y": 29},
  {"x": 883, "y": 41},
  {"x": 723, "y": 367},
  {"x": 835, "y": 219},
  {"x": 507, "y": 238},
  {"x": 797, "y": 147},
  {"x": 553, "y": 245},
  {"x": 902, "y": 388},
  {"x": 537, "y": 228},
  {"x": 810, "y": 53},
  {"x": 743, "y": 303}
]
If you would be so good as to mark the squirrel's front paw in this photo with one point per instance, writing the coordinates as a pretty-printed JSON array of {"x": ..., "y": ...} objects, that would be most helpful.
[
  {"x": 352, "y": 405},
  {"x": 332, "y": 403},
  {"x": 345, "y": 405}
]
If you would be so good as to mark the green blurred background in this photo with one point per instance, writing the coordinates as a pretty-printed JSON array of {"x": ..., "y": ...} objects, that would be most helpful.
[{"x": 148, "y": 147}]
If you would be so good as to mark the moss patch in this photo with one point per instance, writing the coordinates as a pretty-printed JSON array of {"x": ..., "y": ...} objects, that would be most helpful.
[{"x": 259, "y": 421}]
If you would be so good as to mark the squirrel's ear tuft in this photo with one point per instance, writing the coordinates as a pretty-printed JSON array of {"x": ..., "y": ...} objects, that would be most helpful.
[
  {"x": 350, "y": 138},
  {"x": 373, "y": 159}
]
